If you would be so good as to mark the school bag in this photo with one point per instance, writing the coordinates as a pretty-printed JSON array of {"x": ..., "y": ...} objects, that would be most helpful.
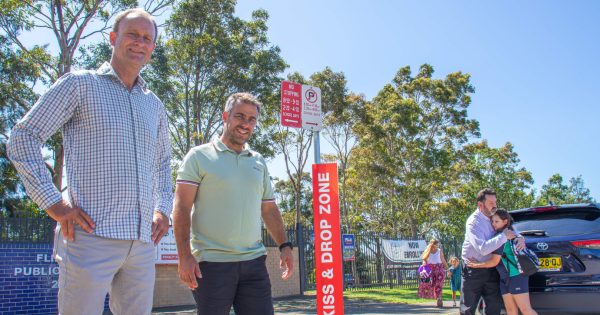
[
  {"x": 527, "y": 261},
  {"x": 424, "y": 272}
]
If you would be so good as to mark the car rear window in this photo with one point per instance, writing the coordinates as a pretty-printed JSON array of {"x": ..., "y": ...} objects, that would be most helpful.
[{"x": 559, "y": 222}]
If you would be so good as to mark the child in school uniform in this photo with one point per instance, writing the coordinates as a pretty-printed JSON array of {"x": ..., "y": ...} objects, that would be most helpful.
[{"x": 454, "y": 273}]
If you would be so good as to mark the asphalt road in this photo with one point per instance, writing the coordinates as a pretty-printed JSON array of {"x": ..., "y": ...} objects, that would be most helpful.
[{"x": 303, "y": 305}]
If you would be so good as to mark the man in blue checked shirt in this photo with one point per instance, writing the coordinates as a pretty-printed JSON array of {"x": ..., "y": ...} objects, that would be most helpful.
[{"x": 117, "y": 155}]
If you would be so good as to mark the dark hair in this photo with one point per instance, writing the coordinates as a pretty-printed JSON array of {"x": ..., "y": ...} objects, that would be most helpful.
[
  {"x": 484, "y": 193},
  {"x": 504, "y": 215}
]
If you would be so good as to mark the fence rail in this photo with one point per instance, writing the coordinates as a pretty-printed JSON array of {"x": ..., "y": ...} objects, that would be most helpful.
[
  {"x": 26, "y": 229},
  {"x": 367, "y": 270}
]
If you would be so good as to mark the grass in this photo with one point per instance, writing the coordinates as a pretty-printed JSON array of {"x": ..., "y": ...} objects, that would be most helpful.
[{"x": 395, "y": 295}]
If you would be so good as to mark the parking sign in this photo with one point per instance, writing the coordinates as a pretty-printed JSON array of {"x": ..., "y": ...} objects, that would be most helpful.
[{"x": 301, "y": 106}]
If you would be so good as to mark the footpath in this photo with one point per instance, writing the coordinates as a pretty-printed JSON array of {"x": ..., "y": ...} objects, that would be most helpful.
[{"x": 306, "y": 305}]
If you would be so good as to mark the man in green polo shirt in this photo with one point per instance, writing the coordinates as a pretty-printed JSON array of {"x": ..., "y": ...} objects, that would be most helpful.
[{"x": 223, "y": 190}]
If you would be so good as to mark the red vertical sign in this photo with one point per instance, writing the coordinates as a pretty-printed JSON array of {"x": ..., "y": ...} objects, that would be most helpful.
[
  {"x": 328, "y": 250},
  {"x": 291, "y": 103}
]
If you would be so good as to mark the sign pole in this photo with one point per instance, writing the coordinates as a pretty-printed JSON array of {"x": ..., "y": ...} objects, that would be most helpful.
[
  {"x": 301, "y": 108},
  {"x": 317, "y": 145}
]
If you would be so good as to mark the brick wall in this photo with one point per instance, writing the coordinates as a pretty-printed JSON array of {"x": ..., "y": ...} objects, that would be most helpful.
[
  {"x": 169, "y": 291},
  {"x": 279, "y": 287},
  {"x": 28, "y": 279}
]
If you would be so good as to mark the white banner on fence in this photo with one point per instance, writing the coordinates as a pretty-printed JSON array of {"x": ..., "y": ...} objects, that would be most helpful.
[{"x": 402, "y": 251}]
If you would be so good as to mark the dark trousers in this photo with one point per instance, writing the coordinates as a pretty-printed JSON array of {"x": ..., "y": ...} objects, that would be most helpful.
[
  {"x": 244, "y": 284},
  {"x": 480, "y": 283}
]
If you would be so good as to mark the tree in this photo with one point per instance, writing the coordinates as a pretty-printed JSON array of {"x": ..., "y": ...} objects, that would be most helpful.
[
  {"x": 295, "y": 143},
  {"x": 69, "y": 22},
  {"x": 286, "y": 199},
  {"x": 479, "y": 166},
  {"x": 556, "y": 192},
  {"x": 408, "y": 137},
  {"x": 212, "y": 54},
  {"x": 340, "y": 108},
  {"x": 18, "y": 76},
  {"x": 580, "y": 193}
]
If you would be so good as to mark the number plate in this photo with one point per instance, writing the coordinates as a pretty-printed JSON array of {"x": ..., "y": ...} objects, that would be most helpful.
[{"x": 550, "y": 264}]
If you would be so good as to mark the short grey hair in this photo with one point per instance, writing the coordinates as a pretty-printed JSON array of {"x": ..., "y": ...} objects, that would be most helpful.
[
  {"x": 242, "y": 97},
  {"x": 135, "y": 11}
]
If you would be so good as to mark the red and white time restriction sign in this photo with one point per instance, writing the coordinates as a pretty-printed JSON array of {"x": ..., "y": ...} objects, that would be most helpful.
[{"x": 301, "y": 106}]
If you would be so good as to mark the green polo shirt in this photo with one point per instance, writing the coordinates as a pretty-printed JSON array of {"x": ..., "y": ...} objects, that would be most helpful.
[{"x": 226, "y": 216}]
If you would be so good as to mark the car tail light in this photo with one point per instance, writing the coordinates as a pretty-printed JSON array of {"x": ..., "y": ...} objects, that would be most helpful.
[
  {"x": 589, "y": 244},
  {"x": 544, "y": 209}
]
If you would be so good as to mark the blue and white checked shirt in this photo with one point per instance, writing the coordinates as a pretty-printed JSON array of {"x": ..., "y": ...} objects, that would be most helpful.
[{"x": 116, "y": 146}]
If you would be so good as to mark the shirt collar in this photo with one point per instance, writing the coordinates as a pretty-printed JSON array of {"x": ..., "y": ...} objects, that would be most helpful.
[
  {"x": 220, "y": 146},
  {"x": 107, "y": 69}
]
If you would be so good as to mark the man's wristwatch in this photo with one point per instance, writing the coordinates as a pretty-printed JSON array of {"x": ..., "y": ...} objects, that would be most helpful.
[{"x": 284, "y": 245}]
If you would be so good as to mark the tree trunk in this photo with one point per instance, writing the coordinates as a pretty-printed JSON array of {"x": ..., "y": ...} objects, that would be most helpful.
[{"x": 58, "y": 166}]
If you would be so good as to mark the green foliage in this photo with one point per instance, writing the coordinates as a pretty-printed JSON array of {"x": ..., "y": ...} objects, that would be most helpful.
[
  {"x": 210, "y": 54},
  {"x": 408, "y": 137},
  {"x": 295, "y": 143},
  {"x": 18, "y": 75},
  {"x": 557, "y": 192},
  {"x": 479, "y": 166},
  {"x": 285, "y": 194},
  {"x": 67, "y": 22},
  {"x": 13, "y": 201},
  {"x": 25, "y": 65}
]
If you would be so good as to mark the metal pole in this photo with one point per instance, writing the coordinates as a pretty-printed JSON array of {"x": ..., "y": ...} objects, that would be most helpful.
[
  {"x": 302, "y": 266},
  {"x": 317, "y": 145},
  {"x": 299, "y": 229}
]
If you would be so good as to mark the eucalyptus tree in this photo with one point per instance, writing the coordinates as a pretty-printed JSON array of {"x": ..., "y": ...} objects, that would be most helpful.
[
  {"x": 557, "y": 192},
  {"x": 67, "y": 24},
  {"x": 211, "y": 54},
  {"x": 294, "y": 143},
  {"x": 479, "y": 166},
  {"x": 408, "y": 136},
  {"x": 340, "y": 108}
]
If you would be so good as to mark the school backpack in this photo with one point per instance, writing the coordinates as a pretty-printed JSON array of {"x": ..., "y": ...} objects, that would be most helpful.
[{"x": 528, "y": 262}]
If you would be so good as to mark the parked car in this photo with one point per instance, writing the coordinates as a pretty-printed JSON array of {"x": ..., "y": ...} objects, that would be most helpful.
[{"x": 566, "y": 239}]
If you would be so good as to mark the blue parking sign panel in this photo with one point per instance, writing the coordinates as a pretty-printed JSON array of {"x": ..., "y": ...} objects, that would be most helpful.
[{"x": 348, "y": 247}]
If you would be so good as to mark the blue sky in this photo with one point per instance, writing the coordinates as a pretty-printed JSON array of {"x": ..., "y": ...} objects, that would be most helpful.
[{"x": 534, "y": 65}]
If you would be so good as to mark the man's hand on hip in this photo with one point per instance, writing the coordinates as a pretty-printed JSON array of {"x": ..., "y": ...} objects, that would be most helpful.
[
  {"x": 286, "y": 263},
  {"x": 68, "y": 216},
  {"x": 160, "y": 226},
  {"x": 189, "y": 270}
]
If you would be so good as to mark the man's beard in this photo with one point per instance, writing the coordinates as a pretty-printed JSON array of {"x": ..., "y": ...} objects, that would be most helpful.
[
  {"x": 489, "y": 212},
  {"x": 236, "y": 138}
]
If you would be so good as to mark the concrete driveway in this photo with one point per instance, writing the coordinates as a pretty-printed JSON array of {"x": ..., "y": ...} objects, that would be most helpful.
[{"x": 304, "y": 305}]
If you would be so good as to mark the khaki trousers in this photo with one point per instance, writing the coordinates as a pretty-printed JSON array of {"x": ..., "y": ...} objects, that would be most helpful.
[{"x": 92, "y": 266}]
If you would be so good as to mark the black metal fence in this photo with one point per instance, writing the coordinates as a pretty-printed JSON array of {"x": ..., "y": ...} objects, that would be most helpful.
[
  {"x": 26, "y": 228},
  {"x": 366, "y": 270}
]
